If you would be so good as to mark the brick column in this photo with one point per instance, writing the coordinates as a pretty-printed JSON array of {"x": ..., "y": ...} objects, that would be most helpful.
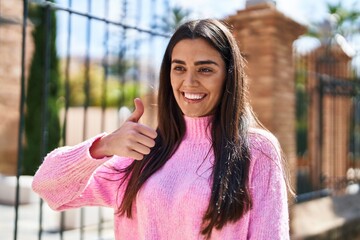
[
  {"x": 329, "y": 117},
  {"x": 10, "y": 74},
  {"x": 266, "y": 39}
]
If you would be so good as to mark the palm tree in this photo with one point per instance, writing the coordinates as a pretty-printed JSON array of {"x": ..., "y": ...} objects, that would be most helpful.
[
  {"x": 176, "y": 17},
  {"x": 347, "y": 20},
  {"x": 341, "y": 21}
]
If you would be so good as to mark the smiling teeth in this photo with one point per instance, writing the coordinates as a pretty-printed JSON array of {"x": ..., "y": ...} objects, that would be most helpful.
[{"x": 194, "y": 96}]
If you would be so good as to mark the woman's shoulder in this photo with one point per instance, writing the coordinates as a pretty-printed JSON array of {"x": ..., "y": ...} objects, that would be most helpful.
[
  {"x": 265, "y": 150},
  {"x": 262, "y": 137},
  {"x": 263, "y": 143}
]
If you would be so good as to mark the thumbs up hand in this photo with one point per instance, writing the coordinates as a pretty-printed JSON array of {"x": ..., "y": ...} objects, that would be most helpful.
[
  {"x": 138, "y": 112},
  {"x": 132, "y": 139}
]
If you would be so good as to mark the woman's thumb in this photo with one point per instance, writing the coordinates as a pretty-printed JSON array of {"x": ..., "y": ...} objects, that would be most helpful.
[{"x": 138, "y": 112}]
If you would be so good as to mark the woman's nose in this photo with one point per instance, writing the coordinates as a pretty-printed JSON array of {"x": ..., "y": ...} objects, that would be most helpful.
[{"x": 190, "y": 79}]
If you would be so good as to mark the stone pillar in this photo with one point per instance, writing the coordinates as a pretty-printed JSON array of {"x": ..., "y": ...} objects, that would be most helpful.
[
  {"x": 10, "y": 73},
  {"x": 266, "y": 37}
]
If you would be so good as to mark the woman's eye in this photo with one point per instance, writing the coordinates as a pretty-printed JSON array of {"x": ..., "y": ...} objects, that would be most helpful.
[
  {"x": 205, "y": 70},
  {"x": 179, "y": 68}
]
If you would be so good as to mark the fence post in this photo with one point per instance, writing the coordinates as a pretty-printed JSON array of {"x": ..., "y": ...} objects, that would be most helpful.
[{"x": 12, "y": 30}]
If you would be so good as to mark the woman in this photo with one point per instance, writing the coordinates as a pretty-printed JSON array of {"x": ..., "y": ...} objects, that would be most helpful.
[{"x": 205, "y": 173}]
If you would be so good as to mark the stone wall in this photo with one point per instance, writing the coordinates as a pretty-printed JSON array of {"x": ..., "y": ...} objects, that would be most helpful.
[{"x": 11, "y": 13}]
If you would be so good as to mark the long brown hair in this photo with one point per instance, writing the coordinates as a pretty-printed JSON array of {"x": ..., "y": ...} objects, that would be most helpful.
[{"x": 230, "y": 197}]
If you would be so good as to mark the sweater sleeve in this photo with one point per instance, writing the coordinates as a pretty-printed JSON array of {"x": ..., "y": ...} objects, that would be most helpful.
[
  {"x": 69, "y": 177},
  {"x": 269, "y": 218}
]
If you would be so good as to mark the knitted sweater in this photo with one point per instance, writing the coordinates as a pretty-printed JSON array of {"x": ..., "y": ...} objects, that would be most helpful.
[{"x": 172, "y": 202}]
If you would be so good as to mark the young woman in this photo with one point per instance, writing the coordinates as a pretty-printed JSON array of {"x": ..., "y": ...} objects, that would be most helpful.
[{"x": 207, "y": 172}]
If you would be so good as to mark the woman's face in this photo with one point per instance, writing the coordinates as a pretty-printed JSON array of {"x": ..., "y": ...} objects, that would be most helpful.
[{"x": 197, "y": 77}]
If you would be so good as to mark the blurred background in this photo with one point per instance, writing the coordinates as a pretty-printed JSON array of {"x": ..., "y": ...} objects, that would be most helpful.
[{"x": 71, "y": 69}]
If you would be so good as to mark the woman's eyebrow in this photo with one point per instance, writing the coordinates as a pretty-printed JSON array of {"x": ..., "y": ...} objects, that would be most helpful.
[
  {"x": 178, "y": 61},
  {"x": 202, "y": 62}
]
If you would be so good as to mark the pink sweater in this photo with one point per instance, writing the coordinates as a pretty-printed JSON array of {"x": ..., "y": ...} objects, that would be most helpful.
[{"x": 171, "y": 204}]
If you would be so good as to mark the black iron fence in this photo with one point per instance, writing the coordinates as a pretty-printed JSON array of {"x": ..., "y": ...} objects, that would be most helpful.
[
  {"x": 108, "y": 55},
  {"x": 348, "y": 91},
  {"x": 328, "y": 123}
]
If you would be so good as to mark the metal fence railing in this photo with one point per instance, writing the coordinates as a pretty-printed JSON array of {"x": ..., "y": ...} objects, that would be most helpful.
[
  {"x": 328, "y": 126},
  {"x": 107, "y": 47}
]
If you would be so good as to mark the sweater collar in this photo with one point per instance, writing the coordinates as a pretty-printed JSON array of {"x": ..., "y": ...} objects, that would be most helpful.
[{"x": 198, "y": 129}]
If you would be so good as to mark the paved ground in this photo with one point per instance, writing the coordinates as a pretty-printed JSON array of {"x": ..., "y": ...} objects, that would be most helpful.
[
  {"x": 29, "y": 216},
  {"x": 28, "y": 225},
  {"x": 333, "y": 217}
]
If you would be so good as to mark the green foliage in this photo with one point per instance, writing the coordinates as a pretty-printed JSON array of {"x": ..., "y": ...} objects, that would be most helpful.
[
  {"x": 301, "y": 105},
  {"x": 176, "y": 17},
  {"x": 343, "y": 20},
  {"x": 35, "y": 90},
  {"x": 301, "y": 116},
  {"x": 116, "y": 93},
  {"x": 346, "y": 19}
]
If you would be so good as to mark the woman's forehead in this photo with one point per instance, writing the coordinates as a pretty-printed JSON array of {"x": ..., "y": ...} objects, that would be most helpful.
[{"x": 194, "y": 50}]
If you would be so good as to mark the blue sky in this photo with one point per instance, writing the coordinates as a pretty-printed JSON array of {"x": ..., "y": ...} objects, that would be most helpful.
[
  {"x": 302, "y": 11},
  {"x": 299, "y": 10}
]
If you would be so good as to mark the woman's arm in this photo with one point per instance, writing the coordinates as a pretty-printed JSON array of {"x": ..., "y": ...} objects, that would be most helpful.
[
  {"x": 77, "y": 176},
  {"x": 71, "y": 177},
  {"x": 269, "y": 217}
]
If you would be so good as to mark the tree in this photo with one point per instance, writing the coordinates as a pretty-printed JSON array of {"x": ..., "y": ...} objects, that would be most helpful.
[
  {"x": 177, "y": 16},
  {"x": 116, "y": 91},
  {"x": 41, "y": 137},
  {"x": 340, "y": 21}
]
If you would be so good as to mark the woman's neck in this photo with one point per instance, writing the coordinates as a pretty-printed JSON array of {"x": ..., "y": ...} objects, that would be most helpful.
[{"x": 198, "y": 129}]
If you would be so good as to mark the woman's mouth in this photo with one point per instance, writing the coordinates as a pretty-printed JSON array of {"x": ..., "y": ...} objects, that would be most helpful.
[{"x": 194, "y": 96}]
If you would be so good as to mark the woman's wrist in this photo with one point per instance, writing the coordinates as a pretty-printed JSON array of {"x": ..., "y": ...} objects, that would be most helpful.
[{"x": 98, "y": 149}]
